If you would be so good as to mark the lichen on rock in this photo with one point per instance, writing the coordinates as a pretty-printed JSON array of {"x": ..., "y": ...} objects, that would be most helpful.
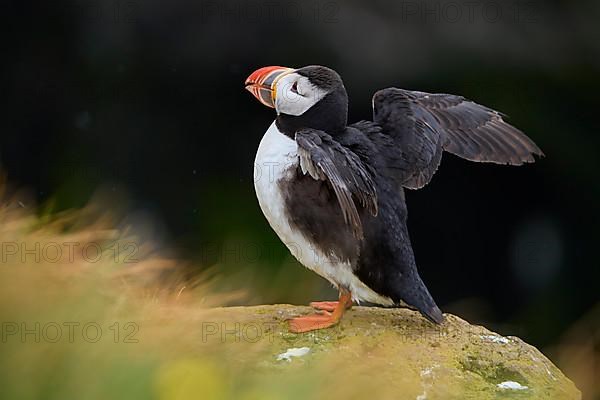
[{"x": 395, "y": 353}]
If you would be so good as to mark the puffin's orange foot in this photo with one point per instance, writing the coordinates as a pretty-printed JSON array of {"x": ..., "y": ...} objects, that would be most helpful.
[
  {"x": 326, "y": 318},
  {"x": 329, "y": 305},
  {"x": 312, "y": 322},
  {"x": 324, "y": 305}
]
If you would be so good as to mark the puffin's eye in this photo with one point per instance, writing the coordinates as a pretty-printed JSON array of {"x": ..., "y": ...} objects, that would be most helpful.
[{"x": 295, "y": 87}]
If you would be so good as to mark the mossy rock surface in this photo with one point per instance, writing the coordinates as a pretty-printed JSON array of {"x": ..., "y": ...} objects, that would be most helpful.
[{"x": 384, "y": 353}]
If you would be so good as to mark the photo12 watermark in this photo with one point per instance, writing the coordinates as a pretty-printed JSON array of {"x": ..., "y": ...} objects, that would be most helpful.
[
  {"x": 67, "y": 332},
  {"x": 269, "y": 11},
  {"x": 67, "y": 252},
  {"x": 254, "y": 332},
  {"x": 113, "y": 12},
  {"x": 467, "y": 12},
  {"x": 236, "y": 332}
]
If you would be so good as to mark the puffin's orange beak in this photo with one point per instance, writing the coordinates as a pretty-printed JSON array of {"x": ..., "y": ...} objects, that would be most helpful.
[{"x": 262, "y": 83}]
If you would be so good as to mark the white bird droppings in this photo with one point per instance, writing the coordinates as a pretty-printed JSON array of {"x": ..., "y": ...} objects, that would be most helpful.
[
  {"x": 427, "y": 380},
  {"x": 495, "y": 339},
  {"x": 293, "y": 352},
  {"x": 511, "y": 385}
]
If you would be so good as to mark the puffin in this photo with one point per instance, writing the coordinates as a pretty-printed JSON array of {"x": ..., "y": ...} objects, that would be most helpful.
[{"x": 334, "y": 193}]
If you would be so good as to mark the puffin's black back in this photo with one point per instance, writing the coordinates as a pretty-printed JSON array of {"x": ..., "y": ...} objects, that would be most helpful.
[
  {"x": 384, "y": 260},
  {"x": 386, "y": 263}
]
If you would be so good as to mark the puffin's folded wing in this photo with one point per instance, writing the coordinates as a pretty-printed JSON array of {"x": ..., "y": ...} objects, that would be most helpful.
[
  {"x": 323, "y": 158},
  {"x": 460, "y": 126}
]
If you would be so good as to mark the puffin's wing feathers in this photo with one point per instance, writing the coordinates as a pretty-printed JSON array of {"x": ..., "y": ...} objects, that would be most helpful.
[
  {"x": 424, "y": 124},
  {"x": 325, "y": 159}
]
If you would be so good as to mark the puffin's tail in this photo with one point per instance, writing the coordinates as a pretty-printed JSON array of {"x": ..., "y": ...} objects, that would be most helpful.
[{"x": 413, "y": 292}]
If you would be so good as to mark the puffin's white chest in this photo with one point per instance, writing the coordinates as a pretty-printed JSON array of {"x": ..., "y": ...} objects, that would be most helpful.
[
  {"x": 275, "y": 162},
  {"x": 276, "y": 154}
]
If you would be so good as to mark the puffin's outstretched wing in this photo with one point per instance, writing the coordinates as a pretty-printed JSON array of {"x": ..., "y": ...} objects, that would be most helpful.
[
  {"x": 325, "y": 159},
  {"x": 424, "y": 124}
]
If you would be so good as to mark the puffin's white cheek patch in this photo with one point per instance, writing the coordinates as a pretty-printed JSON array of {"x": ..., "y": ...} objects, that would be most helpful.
[{"x": 290, "y": 101}]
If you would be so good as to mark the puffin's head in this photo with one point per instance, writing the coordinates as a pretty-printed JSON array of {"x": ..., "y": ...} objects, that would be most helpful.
[{"x": 314, "y": 93}]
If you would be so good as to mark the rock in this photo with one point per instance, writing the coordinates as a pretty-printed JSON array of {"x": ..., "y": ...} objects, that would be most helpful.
[{"x": 387, "y": 353}]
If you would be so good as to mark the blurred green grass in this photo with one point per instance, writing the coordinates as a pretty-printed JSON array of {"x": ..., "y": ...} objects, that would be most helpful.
[{"x": 94, "y": 326}]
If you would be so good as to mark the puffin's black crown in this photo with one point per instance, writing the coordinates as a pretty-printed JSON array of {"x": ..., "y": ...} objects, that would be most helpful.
[{"x": 322, "y": 77}]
